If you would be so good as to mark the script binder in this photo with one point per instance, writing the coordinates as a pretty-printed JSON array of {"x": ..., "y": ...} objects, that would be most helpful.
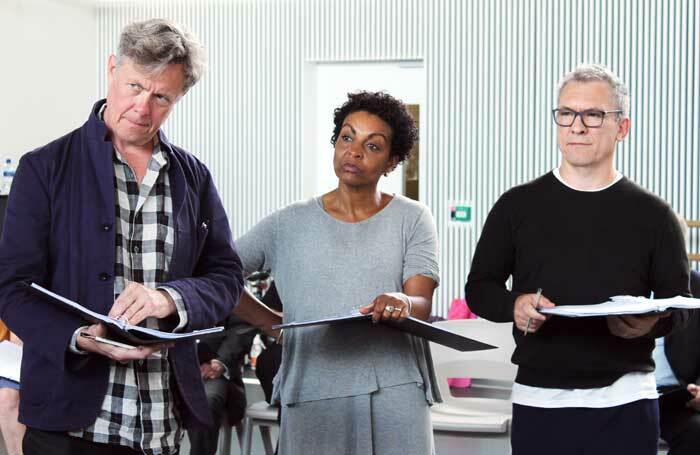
[
  {"x": 134, "y": 334},
  {"x": 409, "y": 325},
  {"x": 620, "y": 305}
]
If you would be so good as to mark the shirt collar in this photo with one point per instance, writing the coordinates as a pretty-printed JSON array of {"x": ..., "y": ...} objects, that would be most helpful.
[{"x": 618, "y": 177}]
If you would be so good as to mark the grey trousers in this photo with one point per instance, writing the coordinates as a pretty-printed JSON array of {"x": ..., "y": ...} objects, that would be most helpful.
[{"x": 391, "y": 421}]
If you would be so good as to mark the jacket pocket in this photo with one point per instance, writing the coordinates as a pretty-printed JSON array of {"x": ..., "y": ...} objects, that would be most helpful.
[{"x": 201, "y": 239}]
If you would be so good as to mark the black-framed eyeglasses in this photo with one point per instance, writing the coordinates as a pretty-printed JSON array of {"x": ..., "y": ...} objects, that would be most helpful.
[{"x": 591, "y": 118}]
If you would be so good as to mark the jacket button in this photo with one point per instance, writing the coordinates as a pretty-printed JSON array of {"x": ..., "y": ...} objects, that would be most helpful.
[
  {"x": 104, "y": 276},
  {"x": 106, "y": 227}
]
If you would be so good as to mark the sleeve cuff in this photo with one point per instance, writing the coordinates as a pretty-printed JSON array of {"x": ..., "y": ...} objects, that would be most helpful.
[
  {"x": 73, "y": 347},
  {"x": 179, "y": 305}
]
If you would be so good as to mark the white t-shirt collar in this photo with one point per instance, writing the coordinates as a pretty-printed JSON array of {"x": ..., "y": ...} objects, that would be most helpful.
[{"x": 618, "y": 177}]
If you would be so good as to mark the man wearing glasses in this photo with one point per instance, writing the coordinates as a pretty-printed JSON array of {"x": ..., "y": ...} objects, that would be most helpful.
[{"x": 577, "y": 236}]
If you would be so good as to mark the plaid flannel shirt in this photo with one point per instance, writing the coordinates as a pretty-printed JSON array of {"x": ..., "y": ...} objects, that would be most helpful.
[{"x": 139, "y": 410}]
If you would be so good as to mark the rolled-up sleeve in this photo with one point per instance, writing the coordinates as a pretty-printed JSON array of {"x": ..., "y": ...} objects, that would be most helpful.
[
  {"x": 256, "y": 247},
  {"x": 421, "y": 257}
]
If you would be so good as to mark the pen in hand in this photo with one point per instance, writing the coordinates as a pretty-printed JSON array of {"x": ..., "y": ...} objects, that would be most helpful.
[{"x": 537, "y": 302}]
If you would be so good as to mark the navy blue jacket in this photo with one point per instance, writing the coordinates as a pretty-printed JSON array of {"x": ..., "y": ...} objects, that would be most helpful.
[{"x": 59, "y": 232}]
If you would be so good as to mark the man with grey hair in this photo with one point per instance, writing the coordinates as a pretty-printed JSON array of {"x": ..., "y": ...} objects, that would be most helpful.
[
  {"x": 114, "y": 216},
  {"x": 577, "y": 236}
]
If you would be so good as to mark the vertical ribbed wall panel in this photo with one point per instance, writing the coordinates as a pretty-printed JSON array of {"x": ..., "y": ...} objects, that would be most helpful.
[{"x": 491, "y": 72}]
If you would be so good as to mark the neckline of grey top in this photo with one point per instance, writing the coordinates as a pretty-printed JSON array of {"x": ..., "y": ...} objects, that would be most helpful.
[{"x": 378, "y": 215}]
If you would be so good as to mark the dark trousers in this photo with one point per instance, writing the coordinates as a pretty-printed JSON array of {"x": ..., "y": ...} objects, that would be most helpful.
[
  {"x": 680, "y": 426},
  {"x": 203, "y": 441},
  {"x": 39, "y": 442},
  {"x": 630, "y": 428}
]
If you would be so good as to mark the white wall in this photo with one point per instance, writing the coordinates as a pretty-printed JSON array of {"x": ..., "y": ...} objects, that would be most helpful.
[
  {"x": 490, "y": 71},
  {"x": 49, "y": 74}
]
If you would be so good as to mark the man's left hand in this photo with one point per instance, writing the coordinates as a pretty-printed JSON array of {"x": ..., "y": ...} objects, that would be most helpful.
[
  {"x": 138, "y": 302},
  {"x": 694, "y": 403},
  {"x": 631, "y": 326}
]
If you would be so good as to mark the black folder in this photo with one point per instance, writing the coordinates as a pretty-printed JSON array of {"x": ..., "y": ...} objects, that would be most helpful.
[
  {"x": 409, "y": 325},
  {"x": 120, "y": 330}
]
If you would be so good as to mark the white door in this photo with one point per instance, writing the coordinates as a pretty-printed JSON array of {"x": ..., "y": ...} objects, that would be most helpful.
[{"x": 326, "y": 88}]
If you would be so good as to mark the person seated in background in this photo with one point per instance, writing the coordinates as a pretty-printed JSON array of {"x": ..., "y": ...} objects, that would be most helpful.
[
  {"x": 221, "y": 362},
  {"x": 677, "y": 358},
  {"x": 269, "y": 360},
  {"x": 12, "y": 430}
]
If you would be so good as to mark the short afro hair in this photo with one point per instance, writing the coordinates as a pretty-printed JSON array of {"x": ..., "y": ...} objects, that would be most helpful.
[{"x": 389, "y": 109}]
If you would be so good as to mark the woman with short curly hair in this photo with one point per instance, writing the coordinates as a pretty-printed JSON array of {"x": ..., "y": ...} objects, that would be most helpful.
[
  {"x": 392, "y": 111},
  {"x": 357, "y": 388}
]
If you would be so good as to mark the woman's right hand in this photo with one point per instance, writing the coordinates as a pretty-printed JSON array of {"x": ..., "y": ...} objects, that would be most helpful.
[{"x": 390, "y": 306}]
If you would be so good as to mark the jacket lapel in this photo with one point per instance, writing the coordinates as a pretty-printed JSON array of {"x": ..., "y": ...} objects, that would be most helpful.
[
  {"x": 100, "y": 150},
  {"x": 176, "y": 175}
]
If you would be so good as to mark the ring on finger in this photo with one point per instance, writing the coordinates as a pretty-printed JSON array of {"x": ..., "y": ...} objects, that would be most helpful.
[
  {"x": 397, "y": 309},
  {"x": 389, "y": 308}
]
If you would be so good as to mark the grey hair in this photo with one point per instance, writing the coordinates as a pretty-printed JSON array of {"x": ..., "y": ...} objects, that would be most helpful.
[
  {"x": 156, "y": 43},
  {"x": 594, "y": 72}
]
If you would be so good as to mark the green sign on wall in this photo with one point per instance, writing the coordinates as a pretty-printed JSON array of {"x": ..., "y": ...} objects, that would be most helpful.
[{"x": 461, "y": 213}]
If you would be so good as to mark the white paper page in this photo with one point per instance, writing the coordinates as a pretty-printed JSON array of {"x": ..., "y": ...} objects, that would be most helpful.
[
  {"x": 81, "y": 308},
  {"x": 133, "y": 329},
  {"x": 622, "y": 305},
  {"x": 10, "y": 360},
  {"x": 672, "y": 302}
]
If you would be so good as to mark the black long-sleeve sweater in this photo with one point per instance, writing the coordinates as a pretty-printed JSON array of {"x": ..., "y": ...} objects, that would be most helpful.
[{"x": 581, "y": 248}]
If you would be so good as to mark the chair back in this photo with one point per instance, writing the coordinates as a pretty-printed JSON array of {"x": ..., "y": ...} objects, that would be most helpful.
[{"x": 491, "y": 365}]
